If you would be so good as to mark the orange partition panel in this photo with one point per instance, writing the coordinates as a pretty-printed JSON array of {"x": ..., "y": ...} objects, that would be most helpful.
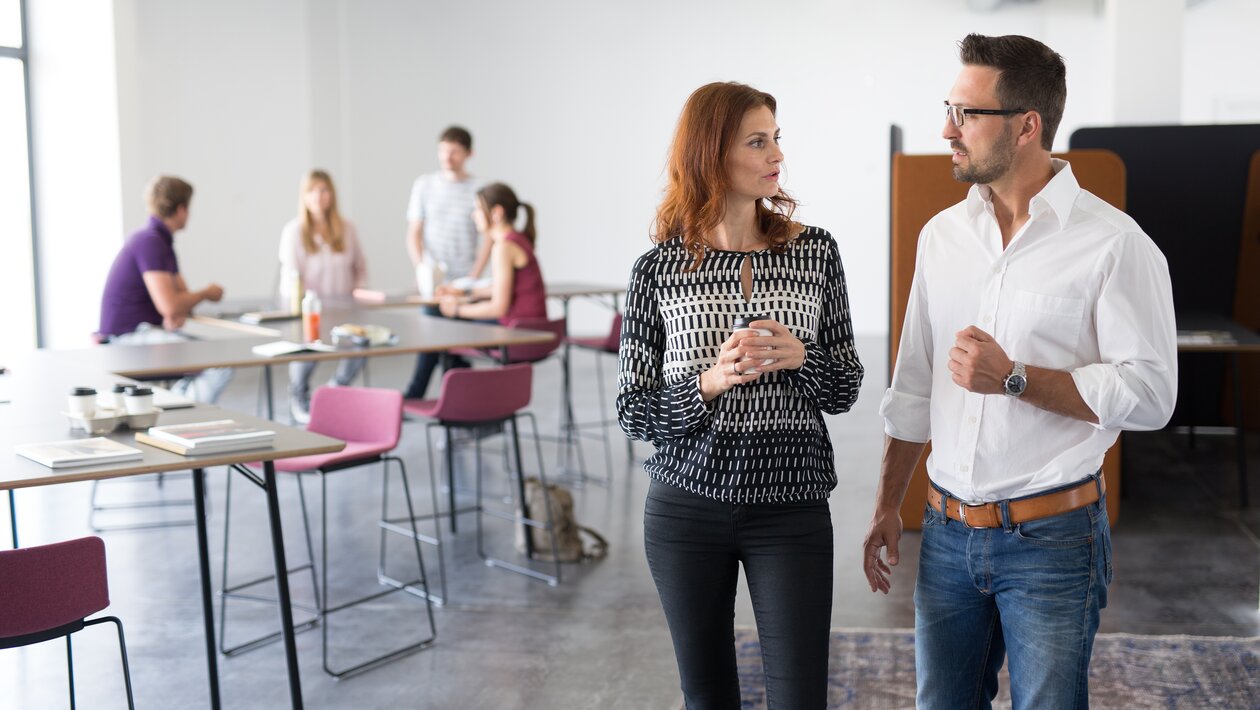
[{"x": 923, "y": 185}]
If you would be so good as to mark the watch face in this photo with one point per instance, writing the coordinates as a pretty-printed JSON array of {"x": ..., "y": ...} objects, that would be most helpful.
[{"x": 1015, "y": 385}]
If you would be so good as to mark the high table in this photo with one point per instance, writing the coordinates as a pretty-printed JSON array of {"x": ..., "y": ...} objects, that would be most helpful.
[
  {"x": 37, "y": 383},
  {"x": 1211, "y": 333},
  {"x": 37, "y": 392}
]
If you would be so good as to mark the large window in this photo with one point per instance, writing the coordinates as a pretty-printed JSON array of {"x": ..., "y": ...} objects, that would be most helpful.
[{"x": 18, "y": 306}]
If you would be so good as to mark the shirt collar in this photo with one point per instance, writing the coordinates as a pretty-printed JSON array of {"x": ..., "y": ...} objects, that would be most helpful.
[
  {"x": 1059, "y": 195},
  {"x": 157, "y": 225}
]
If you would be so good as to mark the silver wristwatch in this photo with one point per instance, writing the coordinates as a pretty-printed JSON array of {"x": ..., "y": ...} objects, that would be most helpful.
[{"x": 1016, "y": 382}]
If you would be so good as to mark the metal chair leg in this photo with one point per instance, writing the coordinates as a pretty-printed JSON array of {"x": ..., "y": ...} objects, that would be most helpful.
[
  {"x": 521, "y": 516},
  {"x": 387, "y": 524},
  {"x": 122, "y": 650},
  {"x": 326, "y": 609},
  {"x": 232, "y": 591},
  {"x": 70, "y": 669}
]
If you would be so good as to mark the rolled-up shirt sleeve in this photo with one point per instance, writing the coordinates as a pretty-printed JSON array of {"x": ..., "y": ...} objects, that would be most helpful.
[
  {"x": 906, "y": 407},
  {"x": 648, "y": 408},
  {"x": 1134, "y": 387}
]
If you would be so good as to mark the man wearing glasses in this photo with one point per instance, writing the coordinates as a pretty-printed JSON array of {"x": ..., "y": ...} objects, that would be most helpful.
[{"x": 1040, "y": 324}]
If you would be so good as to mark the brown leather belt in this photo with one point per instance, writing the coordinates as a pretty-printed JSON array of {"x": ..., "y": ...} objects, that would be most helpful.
[{"x": 1021, "y": 510}]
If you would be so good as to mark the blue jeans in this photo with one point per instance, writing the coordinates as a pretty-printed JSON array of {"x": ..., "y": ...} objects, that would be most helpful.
[
  {"x": 1031, "y": 592},
  {"x": 694, "y": 549},
  {"x": 204, "y": 386}
]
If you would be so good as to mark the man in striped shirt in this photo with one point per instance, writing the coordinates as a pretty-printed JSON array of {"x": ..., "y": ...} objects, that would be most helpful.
[{"x": 440, "y": 228}]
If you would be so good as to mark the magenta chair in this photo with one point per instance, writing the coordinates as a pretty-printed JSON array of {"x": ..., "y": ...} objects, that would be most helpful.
[
  {"x": 604, "y": 345},
  {"x": 484, "y": 400},
  {"x": 47, "y": 592},
  {"x": 370, "y": 422}
]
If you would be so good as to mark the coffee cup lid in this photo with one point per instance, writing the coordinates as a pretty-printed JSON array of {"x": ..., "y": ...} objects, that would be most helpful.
[
  {"x": 82, "y": 391},
  {"x": 120, "y": 387},
  {"x": 140, "y": 392},
  {"x": 745, "y": 321}
]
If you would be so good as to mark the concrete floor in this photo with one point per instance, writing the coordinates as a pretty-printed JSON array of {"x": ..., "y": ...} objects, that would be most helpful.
[{"x": 1187, "y": 561}]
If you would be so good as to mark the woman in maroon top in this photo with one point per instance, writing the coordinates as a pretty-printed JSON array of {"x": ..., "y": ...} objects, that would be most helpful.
[{"x": 516, "y": 288}]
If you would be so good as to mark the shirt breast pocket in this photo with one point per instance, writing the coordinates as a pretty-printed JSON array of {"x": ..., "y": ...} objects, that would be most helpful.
[{"x": 1043, "y": 329}]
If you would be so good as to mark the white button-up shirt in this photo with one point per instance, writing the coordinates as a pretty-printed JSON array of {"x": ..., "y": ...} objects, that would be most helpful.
[{"x": 1080, "y": 288}]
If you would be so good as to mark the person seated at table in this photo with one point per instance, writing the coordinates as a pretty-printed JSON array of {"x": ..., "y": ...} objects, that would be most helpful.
[
  {"x": 146, "y": 300},
  {"x": 516, "y": 289},
  {"x": 321, "y": 248}
]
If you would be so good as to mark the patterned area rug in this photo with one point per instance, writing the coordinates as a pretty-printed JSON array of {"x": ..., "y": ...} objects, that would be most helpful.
[{"x": 875, "y": 669}]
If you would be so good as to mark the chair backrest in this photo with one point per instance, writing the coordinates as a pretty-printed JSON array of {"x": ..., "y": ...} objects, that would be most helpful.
[
  {"x": 613, "y": 343},
  {"x": 536, "y": 352},
  {"x": 45, "y": 587},
  {"x": 359, "y": 414},
  {"x": 484, "y": 395}
]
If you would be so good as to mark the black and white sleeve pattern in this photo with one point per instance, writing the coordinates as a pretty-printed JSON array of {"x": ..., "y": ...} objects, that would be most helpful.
[
  {"x": 832, "y": 374},
  {"x": 648, "y": 408}
]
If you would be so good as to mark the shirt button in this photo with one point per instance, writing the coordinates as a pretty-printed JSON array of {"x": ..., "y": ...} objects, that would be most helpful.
[
  {"x": 971, "y": 420},
  {"x": 997, "y": 269},
  {"x": 988, "y": 319},
  {"x": 964, "y": 468}
]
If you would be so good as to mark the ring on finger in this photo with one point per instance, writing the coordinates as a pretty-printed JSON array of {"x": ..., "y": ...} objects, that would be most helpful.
[{"x": 735, "y": 369}]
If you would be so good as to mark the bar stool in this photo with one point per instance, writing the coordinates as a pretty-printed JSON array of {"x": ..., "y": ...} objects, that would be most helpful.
[
  {"x": 606, "y": 345},
  {"x": 537, "y": 352},
  {"x": 47, "y": 592},
  {"x": 370, "y": 422},
  {"x": 481, "y": 400}
]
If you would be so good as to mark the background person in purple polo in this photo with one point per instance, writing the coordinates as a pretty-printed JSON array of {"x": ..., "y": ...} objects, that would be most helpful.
[{"x": 146, "y": 300}]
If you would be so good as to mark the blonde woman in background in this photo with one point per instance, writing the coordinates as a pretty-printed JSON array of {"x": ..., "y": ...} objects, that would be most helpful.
[{"x": 322, "y": 249}]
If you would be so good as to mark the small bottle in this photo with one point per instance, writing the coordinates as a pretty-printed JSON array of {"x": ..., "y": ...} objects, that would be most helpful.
[
  {"x": 295, "y": 291},
  {"x": 310, "y": 316}
]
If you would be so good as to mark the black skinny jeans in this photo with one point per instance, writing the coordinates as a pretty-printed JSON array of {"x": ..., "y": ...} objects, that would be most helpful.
[{"x": 694, "y": 548}]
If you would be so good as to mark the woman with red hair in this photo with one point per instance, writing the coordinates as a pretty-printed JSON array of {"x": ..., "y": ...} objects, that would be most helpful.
[{"x": 743, "y": 464}]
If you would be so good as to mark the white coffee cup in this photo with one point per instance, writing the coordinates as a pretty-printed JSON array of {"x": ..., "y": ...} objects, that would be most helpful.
[
  {"x": 82, "y": 402},
  {"x": 119, "y": 393},
  {"x": 139, "y": 400},
  {"x": 745, "y": 323}
]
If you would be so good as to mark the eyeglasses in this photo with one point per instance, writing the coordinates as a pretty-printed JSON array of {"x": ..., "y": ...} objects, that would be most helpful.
[{"x": 958, "y": 114}]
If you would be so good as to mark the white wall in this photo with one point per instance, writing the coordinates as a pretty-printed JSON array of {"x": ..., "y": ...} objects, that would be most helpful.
[{"x": 572, "y": 103}]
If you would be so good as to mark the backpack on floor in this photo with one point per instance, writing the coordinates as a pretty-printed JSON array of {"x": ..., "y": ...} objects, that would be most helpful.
[{"x": 568, "y": 533}]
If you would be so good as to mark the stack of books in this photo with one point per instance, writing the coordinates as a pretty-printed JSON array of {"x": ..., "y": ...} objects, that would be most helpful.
[{"x": 214, "y": 437}]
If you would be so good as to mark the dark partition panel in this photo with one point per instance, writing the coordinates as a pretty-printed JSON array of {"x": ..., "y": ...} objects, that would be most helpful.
[{"x": 1187, "y": 189}]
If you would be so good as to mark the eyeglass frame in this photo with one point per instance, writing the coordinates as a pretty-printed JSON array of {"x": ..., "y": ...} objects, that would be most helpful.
[{"x": 962, "y": 112}]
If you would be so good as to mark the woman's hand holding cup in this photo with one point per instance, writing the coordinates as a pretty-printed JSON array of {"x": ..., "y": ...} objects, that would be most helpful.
[
  {"x": 778, "y": 351},
  {"x": 732, "y": 367}
]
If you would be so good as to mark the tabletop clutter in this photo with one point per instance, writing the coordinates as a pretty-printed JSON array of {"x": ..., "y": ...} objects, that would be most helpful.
[{"x": 128, "y": 405}]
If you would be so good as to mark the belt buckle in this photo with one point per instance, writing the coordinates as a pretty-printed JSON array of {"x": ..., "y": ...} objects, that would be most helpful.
[{"x": 962, "y": 513}]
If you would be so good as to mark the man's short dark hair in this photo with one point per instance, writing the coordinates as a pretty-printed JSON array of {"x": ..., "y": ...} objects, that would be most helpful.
[
  {"x": 165, "y": 194},
  {"x": 1033, "y": 76},
  {"x": 457, "y": 134}
]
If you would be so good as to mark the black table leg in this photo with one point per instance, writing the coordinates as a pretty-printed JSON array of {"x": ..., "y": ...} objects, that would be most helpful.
[
  {"x": 13, "y": 518},
  {"x": 1241, "y": 433},
  {"x": 282, "y": 584},
  {"x": 267, "y": 398},
  {"x": 207, "y": 601}
]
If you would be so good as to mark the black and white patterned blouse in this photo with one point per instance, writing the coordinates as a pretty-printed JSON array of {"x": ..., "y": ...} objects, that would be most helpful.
[{"x": 760, "y": 442}]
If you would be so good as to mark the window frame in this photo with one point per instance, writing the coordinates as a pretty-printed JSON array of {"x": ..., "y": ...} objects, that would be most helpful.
[{"x": 22, "y": 55}]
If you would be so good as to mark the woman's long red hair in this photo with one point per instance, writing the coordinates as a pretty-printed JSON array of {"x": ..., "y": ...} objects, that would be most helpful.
[{"x": 695, "y": 198}]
